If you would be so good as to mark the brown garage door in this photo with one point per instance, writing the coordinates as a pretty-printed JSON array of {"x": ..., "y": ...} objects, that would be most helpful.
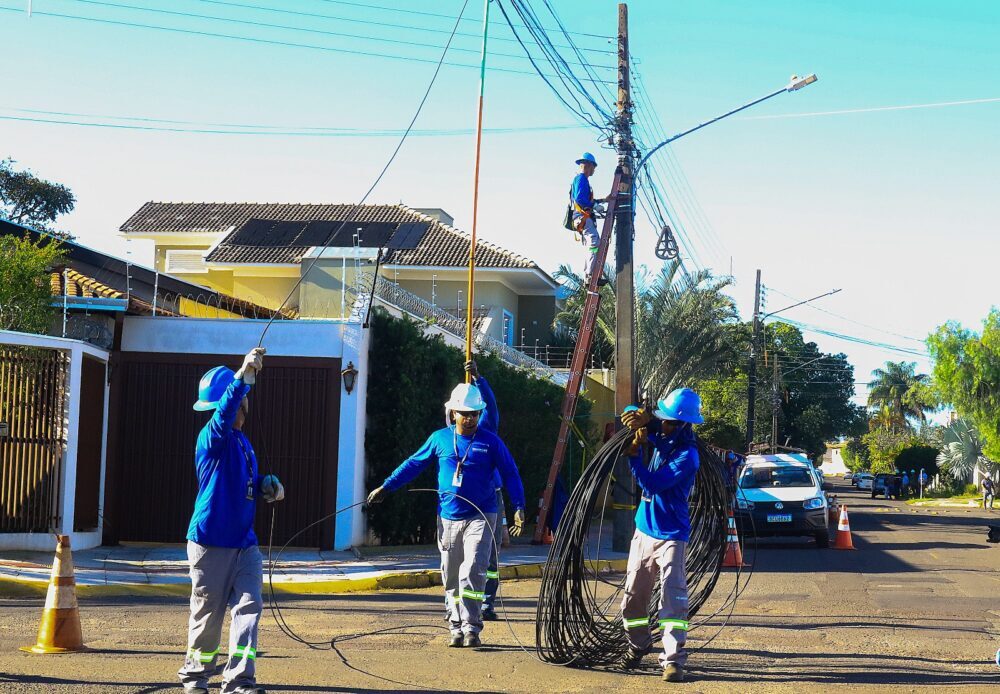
[{"x": 293, "y": 426}]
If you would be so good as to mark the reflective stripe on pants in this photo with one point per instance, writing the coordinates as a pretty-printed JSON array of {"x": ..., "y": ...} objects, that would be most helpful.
[
  {"x": 649, "y": 559},
  {"x": 465, "y": 547},
  {"x": 223, "y": 578}
]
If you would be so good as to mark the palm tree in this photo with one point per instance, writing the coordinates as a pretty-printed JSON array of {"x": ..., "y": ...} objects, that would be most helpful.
[
  {"x": 962, "y": 451},
  {"x": 900, "y": 390},
  {"x": 680, "y": 324}
]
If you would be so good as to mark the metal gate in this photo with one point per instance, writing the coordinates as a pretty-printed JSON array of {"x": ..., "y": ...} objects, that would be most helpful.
[
  {"x": 293, "y": 426},
  {"x": 33, "y": 384}
]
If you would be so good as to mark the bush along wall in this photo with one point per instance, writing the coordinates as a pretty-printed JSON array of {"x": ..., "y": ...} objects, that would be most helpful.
[{"x": 411, "y": 376}]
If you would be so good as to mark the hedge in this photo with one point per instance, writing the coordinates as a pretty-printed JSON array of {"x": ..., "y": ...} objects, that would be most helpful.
[{"x": 410, "y": 377}]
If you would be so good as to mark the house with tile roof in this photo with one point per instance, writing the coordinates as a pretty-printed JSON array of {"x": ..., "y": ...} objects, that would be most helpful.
[{"x": 259, "y": 251}]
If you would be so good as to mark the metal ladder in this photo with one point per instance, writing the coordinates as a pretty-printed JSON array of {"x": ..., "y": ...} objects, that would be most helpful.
[{"x": 578, "y": 365}]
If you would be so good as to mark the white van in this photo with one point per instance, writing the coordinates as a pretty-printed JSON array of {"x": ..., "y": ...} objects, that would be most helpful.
[{"x": 782, "y": 494}]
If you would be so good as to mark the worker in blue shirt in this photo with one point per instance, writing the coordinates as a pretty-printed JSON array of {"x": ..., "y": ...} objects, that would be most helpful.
[
  {"x": 582, "y": 203},
  {"x": 490, "y": 421},
  {"x": 226, "y": 564},
  {"x": 663, "y": 527},
  {"x": 467, "y": 457}
]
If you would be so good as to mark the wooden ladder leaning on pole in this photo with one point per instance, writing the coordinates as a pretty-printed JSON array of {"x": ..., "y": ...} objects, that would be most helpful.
[{"x": 578, "y": 366}]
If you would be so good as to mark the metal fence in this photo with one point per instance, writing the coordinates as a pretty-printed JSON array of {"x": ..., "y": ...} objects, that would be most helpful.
[
  {"x": 412, "y": 304},
  {"x": 33, "y": 393}
]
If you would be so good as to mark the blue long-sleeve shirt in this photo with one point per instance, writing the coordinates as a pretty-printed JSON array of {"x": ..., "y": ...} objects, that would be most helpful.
[
  {"x": 227, "y": 475},
  {"x": 666, "y": 485},
  {"x": 581, "y": 192},
  {"x": 484, "y": 453}
]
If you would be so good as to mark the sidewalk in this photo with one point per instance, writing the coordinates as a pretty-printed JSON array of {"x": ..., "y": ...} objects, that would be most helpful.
[{"x": 160, "y": 569}]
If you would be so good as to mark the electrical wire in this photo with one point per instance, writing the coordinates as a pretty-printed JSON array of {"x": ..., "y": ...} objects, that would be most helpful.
[
  {"x": 392, "y": 158},
  {"x": 572, "y": 626}
]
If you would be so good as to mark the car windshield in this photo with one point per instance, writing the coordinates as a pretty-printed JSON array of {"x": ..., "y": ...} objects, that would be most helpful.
[{"x": 762, "y": 477}]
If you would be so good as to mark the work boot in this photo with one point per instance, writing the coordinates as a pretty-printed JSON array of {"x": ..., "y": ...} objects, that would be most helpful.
[
  {"x": 195, "y": 690},
  {"x": 673, "y": 673},
  {"x": 249, "y": 690},
  {"x": 632, "y": 658},
  {"x": 456, "y": 641},
  {"x": 471, "y": 641},
  {"x": 489, "y": 615}
]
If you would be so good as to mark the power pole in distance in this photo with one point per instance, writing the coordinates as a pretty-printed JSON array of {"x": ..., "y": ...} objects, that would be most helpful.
[
  {"x": 775, "y": 400},
  {"x": 752, "y": 366},
  {"x": 624, "y": 495}
]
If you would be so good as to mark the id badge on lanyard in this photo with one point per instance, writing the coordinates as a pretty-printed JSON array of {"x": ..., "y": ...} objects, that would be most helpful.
[
  {"x": 246, "y": 457},
  {"x": 456, "y": 479}
]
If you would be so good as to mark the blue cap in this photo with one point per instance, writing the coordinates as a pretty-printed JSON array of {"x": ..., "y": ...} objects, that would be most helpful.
[
  {"x": 212, "y": 387},
  {"x": 587, "y": 158}
]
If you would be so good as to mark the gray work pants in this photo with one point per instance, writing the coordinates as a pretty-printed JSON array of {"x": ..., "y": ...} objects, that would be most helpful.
[
  {"x": 493, "y": 570},
  {"x": 221, "y": 578},
  {"x": 465, "y": 547},
  {"x": 649, "y": 558}
]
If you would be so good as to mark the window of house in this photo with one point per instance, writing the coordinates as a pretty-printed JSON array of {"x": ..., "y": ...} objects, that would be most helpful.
[{"x": 185, "y": 261}]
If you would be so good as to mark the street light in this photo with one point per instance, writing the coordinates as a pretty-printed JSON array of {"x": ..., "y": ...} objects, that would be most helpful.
[{"x": 794, "y": 84}]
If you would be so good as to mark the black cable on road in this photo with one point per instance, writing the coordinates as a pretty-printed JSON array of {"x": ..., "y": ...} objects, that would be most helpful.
[{"x": 572, "y": 624}]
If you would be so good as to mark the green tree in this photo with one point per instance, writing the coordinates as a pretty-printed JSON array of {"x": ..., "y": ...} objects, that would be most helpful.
[
  {"x": 856, "y": 455},
  {"x": 967, "y": 374},
  {"x": 901, "y": 392},
  {"x": 917, "y": 456},
  {"x": 962, "y": 451},
  {"x": 25, "y": 291},
  {"x": 681, "y": 326},
  {"x": 31, "y": 201}
]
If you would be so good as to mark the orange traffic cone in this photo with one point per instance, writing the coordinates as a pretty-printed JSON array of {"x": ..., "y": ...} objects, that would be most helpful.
[
  {"x": 734, "y": 555},
  {"x": 60, "y": 630},
  {"x": 548, "y": 537},
  {"x": 843, "y": 540}
]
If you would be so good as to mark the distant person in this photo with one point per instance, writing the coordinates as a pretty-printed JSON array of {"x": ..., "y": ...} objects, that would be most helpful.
[
  {"x": 580, "y": 215},
  {"x": 905, "y": 483},
  {"x": 989, "y": 493},
  {"x": 897, "y": 486}
]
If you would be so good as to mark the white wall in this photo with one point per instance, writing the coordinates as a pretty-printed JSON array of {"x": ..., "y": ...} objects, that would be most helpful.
[
  {"x": 74, "y": 349},
  {"x": 346, "y": 341}
]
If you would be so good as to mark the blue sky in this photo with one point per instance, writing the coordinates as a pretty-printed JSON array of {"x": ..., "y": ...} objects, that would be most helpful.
[{"x": 896, "y": 207}]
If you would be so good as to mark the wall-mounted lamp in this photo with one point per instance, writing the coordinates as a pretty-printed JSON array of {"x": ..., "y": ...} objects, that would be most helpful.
[{"x": 349, "y": 375}]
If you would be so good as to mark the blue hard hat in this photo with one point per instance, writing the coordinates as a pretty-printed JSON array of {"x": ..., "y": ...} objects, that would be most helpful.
[
  {"x": 212, "y": 387},
  {"x": 587, "y": 158},
  {"x": 683, "y": 405}
]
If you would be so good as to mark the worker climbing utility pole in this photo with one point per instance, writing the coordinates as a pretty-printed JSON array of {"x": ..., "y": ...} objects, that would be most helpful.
[
  {"x": 469, "y": 325},
  {"x": 625, "y": 389},
  {"x": 752, "y": 366}
]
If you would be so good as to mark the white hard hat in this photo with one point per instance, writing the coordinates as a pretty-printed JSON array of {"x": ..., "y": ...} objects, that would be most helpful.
[{"x": 464, "y": 398}]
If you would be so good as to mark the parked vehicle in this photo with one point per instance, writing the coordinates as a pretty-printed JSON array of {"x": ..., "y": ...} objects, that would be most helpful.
[
  {"x": 864, "y": 481},
  {"x": 848, "y": 475},
  {"x": 886, "y": 484},
  {"x": 782, "y": 495}
]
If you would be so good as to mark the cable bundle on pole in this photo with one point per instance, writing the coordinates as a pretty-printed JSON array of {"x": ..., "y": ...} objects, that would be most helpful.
[{"x": 574, "y": 625}]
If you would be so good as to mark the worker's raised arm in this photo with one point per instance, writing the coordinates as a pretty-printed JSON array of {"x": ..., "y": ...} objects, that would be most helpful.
[
  {"x": 682, "y": 466},
  {"x": 491, "y": 420}
]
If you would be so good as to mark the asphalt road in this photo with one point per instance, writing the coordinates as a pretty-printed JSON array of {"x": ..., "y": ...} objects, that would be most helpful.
[{"x": 914, "y": 607}]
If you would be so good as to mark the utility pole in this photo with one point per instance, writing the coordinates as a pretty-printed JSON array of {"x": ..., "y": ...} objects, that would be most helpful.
[
  {"x": 775, "y": 399},
  {"x": 623, "y": 494},
  {"x": 752, "y": 366}
]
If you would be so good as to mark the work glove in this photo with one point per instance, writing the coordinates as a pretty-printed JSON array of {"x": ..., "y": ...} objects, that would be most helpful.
[
  {"x": 640, "y": 438},
  {"x": 271, "y": 489},
  {"x": 472, "y": 369},
  {"x": 253, "y": 362},
  {"x": 518, "y": 523},
  {"x": 376, "y": 495},
  {"x": 635, "y": 419}
]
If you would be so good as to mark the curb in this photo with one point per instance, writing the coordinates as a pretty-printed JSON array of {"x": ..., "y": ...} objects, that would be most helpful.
[{"x": 411, "y": 580}]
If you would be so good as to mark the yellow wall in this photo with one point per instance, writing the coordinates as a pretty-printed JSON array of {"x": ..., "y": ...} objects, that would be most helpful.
[{"x": 266, "y": 291}]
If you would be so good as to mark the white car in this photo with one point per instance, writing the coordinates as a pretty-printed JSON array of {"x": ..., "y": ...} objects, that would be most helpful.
[
  {"x": 863, "y": 481},
  {"x": 782, "y": 495}
]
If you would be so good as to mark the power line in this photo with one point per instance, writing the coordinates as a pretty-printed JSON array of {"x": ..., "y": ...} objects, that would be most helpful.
[
  {"x": 874, "y": 109},
  {"x": 851, "y": 338},
  {"x": 286, "y": 27},
  {"x": 248, "y": 39},
  {"x": 146, "y": 124}
]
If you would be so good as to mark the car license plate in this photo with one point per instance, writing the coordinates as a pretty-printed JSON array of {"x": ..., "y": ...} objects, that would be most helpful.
[{"x": 779, "y": 518}]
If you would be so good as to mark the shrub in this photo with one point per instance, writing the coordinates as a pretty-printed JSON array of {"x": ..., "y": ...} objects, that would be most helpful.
[{"x": 410, "y": 377}]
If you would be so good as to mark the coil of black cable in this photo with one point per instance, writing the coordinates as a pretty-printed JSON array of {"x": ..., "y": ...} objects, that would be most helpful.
[{"x": 574, "y": 625}]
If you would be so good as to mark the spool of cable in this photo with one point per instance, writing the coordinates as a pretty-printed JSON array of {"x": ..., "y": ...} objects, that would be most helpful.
[{"x": 574, "y": 625}]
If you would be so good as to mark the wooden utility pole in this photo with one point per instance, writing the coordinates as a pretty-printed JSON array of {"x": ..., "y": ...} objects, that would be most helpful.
[
  {"x": 752, "y": 366},
  {"x": 775, "y": 400},
  {"x": 625, "y": 388}
]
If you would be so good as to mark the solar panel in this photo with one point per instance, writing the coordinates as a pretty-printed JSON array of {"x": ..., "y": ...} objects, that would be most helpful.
[
  {"x": 408, "y": 235},
  {"x": 251, "y": 233}
]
